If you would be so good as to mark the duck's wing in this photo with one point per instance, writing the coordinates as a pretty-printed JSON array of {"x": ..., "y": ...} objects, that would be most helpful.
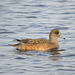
[{"x": 33, "y": 41}]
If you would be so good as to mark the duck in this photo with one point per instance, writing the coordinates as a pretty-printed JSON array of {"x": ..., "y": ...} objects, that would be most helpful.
[{"x": 39, "y": 44}]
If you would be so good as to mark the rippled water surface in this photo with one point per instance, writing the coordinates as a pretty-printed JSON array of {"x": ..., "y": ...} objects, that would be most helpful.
[{"x": 35, "y": 19}]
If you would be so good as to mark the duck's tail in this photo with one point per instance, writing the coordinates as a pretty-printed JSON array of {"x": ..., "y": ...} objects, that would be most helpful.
[
  {"x": 17, "y": 40},
  {"x": 14, "y": 45}
]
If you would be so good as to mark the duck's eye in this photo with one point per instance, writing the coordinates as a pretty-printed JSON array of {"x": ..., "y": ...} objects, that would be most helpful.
[{"x": 56, "y": 32}]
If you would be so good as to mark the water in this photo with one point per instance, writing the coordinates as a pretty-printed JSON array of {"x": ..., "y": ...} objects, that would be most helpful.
[{"x": 23, "y": 19}]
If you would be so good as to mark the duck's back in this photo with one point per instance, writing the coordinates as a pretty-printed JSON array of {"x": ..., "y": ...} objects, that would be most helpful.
[{"x": 33, "y": 41}]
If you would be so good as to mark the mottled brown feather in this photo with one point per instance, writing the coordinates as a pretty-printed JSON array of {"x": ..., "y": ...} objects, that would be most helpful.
[
  {"x": 34, "y": 41},
  {"x": 37, "y": 47}
]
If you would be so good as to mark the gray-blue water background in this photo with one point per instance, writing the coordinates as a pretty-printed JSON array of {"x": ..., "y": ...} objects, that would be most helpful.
[{"x": 24, "y": 19}]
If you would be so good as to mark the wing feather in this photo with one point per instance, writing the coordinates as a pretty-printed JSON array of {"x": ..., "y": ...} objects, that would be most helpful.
[{"x": 33, "y": 41}]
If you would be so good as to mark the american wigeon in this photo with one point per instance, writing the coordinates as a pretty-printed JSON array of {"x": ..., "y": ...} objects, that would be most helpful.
[{"x": 40, "y": 44}]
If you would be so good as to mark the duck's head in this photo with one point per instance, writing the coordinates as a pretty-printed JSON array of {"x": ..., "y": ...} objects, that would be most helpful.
[{"x": 55, "y": 34}]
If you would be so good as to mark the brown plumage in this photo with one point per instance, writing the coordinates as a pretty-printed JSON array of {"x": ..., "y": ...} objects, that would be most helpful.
[{"x": 40, "y": 44}]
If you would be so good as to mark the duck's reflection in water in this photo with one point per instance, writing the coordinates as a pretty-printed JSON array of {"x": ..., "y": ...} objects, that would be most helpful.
[
  {"x": 52, "y": 54},
  {"x": 55, "y": 54}
]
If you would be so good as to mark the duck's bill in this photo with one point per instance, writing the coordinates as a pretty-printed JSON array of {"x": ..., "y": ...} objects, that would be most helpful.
[{"x": 62, "y": 37}]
